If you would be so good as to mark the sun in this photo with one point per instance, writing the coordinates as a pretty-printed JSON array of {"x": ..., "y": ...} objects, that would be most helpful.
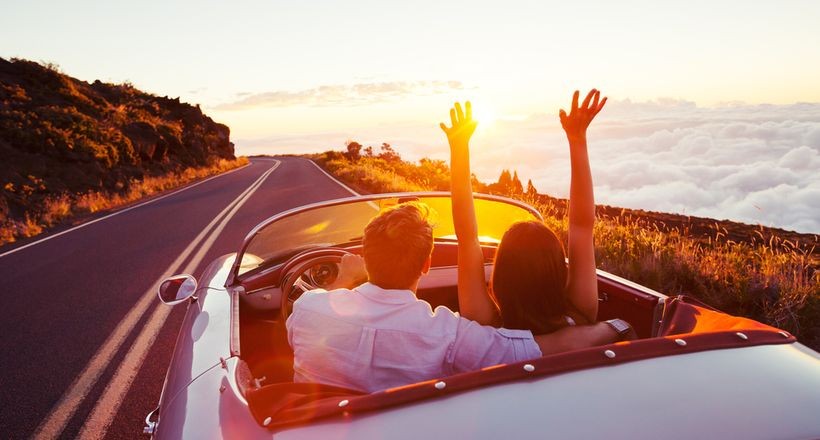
[{"x": 484, "y": 114}]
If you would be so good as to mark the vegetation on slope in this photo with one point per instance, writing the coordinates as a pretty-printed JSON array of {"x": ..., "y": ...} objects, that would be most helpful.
[
  {"x": 69, "y": 147},
  {"x": 764, "y": 273}
]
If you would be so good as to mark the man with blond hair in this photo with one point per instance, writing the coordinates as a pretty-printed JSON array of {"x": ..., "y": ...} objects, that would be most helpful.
[{"x": 379, "y": 335}]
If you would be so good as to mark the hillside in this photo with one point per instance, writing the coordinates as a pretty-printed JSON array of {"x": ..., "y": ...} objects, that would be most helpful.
[
  {"x": 69, "y": 147},
  {"x": 764, "y": 273}
]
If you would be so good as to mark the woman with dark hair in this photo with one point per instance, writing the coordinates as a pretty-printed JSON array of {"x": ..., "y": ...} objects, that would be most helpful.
[{"x": 532, "y": 286}]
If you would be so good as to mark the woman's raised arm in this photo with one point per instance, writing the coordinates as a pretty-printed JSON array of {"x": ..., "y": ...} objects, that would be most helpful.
[
  {"x": 473, "y": 300},
  {"x": 582, "y": 282}
]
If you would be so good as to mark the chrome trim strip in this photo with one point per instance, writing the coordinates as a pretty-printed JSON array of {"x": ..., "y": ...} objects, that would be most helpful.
[
  {"x": 234, "y": 343},
  {"x": 625, "y": 282}
]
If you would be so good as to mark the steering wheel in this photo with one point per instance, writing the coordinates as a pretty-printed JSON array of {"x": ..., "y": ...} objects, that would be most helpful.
[{"x": 293, "y": 282}]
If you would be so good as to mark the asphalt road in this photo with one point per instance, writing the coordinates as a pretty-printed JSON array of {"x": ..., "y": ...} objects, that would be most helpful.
[{"x": 65, "y": 298}]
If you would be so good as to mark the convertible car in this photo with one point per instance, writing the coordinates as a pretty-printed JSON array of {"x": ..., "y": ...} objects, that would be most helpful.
[{"x": 694, "y": 372}]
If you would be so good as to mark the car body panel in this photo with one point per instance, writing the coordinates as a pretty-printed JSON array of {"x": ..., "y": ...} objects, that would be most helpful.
[
  {"x": 205, "y": 334},
  {"x": 762, "y": 391},
  {"x": 211, "y": 408},
  {"x": 755, "y": 392}
]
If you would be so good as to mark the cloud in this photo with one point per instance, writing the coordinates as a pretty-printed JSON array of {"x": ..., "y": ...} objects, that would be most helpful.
[
  {"x": 756, "y": 164},
  {"x": 752, "y": 163},
  {"x": 347, "y": 95}
]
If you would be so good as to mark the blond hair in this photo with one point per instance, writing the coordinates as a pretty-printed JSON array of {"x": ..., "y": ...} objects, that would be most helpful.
[{"x": 396, "y": 245}]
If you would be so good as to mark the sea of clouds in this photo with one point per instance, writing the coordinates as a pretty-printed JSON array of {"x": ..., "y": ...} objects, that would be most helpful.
[{"x": 758, "y": 164}]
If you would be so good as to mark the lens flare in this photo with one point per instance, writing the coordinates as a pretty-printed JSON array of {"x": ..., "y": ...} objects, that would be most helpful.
[{"x": 484, "y": 114}]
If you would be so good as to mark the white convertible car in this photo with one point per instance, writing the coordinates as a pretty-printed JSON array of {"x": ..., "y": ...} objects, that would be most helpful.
[{"x": 694, "y": 372}]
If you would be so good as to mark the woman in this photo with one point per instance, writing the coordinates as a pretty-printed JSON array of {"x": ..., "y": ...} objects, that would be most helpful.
[{"x": 531, "y": 284}]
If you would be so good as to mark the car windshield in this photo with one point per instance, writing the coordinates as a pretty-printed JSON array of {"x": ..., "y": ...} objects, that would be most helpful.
[{"x": 343, "y": 222}]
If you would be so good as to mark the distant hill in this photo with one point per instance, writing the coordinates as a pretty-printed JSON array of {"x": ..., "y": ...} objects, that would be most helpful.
[{"x": 63, "y": 136}]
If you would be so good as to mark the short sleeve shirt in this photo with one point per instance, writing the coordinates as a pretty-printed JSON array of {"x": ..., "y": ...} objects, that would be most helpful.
[{"x": 372, "y": 339}]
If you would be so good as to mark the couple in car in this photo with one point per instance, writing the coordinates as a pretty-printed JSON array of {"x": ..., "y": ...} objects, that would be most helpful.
[{"x": 378, "y": 335}]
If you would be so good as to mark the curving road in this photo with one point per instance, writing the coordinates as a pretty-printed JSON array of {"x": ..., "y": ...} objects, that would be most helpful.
[{"x": 84, "y": 341}]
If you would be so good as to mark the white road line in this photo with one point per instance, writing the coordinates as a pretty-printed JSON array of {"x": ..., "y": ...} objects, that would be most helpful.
[
  {"x": 96, "y": 425},
  {"x": 118, "y": 212},
  {"x": 334, "y": 179},
  {"x": 53, "y": 425}
]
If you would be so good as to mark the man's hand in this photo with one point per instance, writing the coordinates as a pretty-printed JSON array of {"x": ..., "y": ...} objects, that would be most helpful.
[
  {"x": 352, "y": 272},
  {"x": 463, "y": 126},
  {"x": 576, "y": 122}
]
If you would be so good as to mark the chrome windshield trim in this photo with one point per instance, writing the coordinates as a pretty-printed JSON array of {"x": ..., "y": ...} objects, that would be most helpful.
[
  {"x": 234, "y": 342},
  {"x": 233, "y": 275}
]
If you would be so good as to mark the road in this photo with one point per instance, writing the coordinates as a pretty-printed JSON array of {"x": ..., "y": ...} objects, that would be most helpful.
[{"x": 80, "y": 320}]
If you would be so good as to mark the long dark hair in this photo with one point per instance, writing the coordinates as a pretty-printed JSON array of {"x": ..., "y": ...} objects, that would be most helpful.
[{"x": 530, "y": 277}]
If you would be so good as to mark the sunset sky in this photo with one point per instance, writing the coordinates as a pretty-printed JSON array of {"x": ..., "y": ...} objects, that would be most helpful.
[{"x": 714, "y": 111}]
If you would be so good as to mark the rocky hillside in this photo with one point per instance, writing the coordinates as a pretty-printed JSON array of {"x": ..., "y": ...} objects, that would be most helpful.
[{"x": 63, "y": 136}]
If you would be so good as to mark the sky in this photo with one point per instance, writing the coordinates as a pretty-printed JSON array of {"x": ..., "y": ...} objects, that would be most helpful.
[{"x": 714, "y": 105}]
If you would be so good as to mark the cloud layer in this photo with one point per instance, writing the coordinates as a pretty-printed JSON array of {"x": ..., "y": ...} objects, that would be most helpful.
[
  {"x": 329, "y": 95},
  {"x": 757, "y": 164}
]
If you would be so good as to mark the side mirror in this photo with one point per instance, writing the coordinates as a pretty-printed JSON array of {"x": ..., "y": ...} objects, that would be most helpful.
[{"x": 176, "y": 289}]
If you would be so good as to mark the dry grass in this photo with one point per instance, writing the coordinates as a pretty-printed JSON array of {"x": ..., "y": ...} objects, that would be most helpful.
[
  {"x": 769, "y": 279},
  {"x": 60, "y": 207},
  {"x": 377, "y": 175}
]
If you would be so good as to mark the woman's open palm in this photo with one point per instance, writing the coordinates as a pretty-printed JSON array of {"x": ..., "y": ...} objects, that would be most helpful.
[
  {"x": 576, "y": 122},
  {"x": 463, "y": 125}
]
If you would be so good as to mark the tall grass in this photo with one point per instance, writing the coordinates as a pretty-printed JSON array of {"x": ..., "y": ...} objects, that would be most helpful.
[
  {"x": 767, "y": 278},
  {"x": 56, "y": 208},
  {"x": 377, "y": 175}
]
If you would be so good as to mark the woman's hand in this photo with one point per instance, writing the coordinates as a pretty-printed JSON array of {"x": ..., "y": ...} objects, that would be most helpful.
[
  {"x": 576, "y": 122},
  {"x": 463, "y": 126}
]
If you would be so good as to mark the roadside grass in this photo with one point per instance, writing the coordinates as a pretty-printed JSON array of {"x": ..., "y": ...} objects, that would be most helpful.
[
  {"x": 55, "y": 209},
  {"x": 769, "y": 278}
]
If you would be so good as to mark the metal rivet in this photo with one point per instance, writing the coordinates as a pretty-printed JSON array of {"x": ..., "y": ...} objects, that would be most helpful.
[
  {"x": 267, "y": 421},
  {"x": 742, "y": 336},
  {"x": 222, "y": 388},
  {"x": 680, "y": 342},
  {"x": 529, "y": 368},
  {"x": 343, "y": 403},
  {"x": 610, "y": 354},
  {"x": 440, "y": 385},
  {"x": 785, "y": 335}
]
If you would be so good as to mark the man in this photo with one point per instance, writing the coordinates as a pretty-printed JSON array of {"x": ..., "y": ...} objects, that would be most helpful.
[{"x": 379, "y": 335}]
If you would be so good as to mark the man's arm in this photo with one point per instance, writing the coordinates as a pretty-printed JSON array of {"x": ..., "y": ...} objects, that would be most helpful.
[
  {"x": 576, "y": 337},
  {"x": 352, "y": 272}
]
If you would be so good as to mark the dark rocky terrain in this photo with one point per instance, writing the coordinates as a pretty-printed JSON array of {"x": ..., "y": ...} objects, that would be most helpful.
[{"x": 63, "y": 136}]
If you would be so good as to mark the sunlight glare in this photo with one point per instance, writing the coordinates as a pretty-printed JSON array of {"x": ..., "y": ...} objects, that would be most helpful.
[{"x": 484, "y": 114}]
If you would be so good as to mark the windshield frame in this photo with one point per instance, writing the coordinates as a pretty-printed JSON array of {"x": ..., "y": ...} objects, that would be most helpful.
[{"x": 234, "y": 277}]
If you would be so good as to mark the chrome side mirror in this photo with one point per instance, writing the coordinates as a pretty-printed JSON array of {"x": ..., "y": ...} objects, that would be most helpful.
[{"x": 176, "y": 289}]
